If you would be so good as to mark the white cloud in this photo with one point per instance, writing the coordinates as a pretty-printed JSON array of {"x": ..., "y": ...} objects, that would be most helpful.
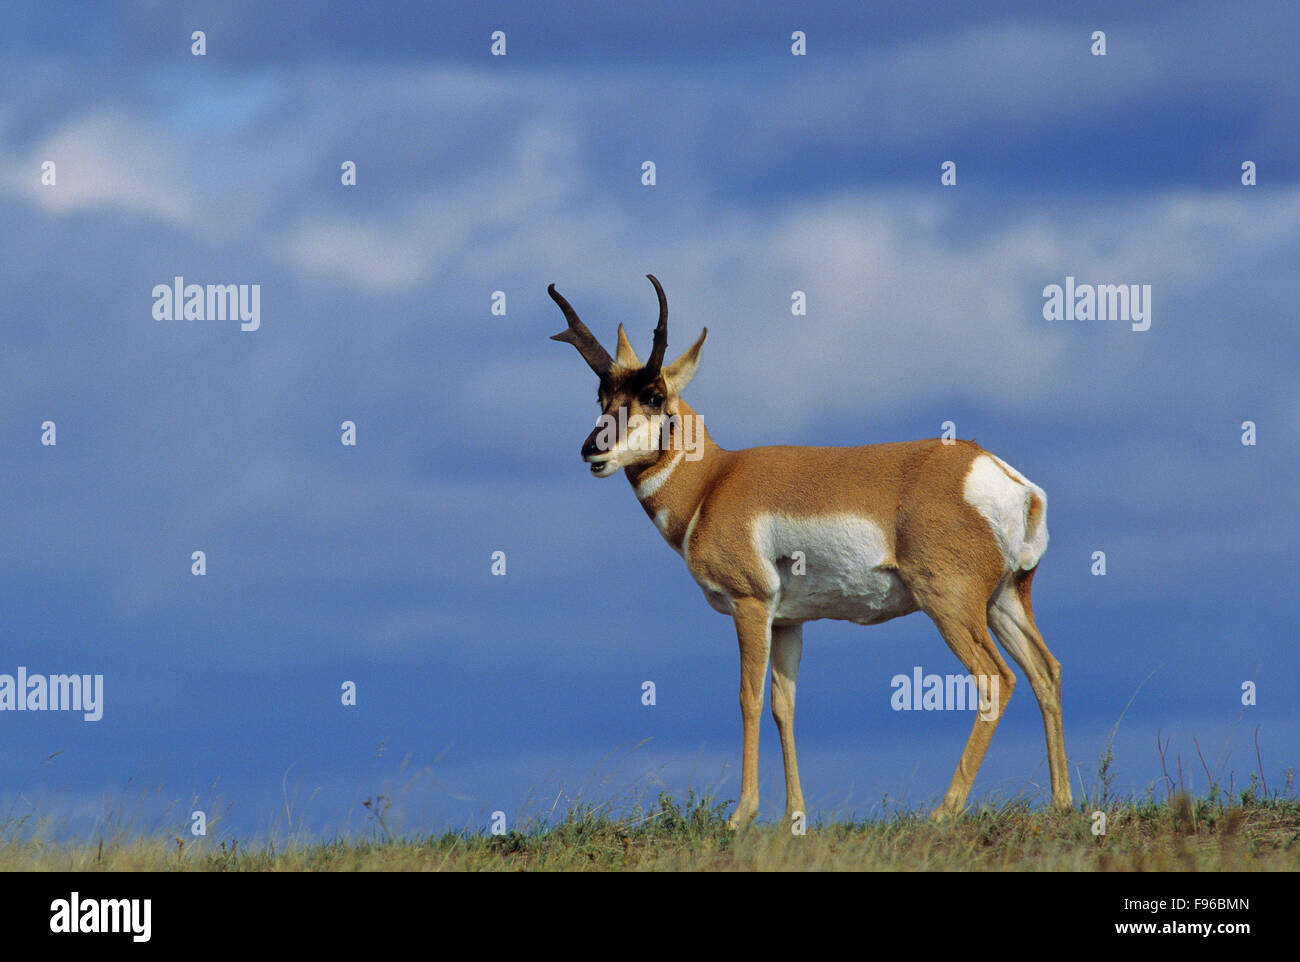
[
  {"x": 426, "y": 234},
  {"x": 901, "y": 315},
  {"x": 109, "y": 159}
]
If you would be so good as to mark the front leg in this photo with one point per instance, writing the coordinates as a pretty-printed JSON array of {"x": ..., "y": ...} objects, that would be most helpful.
[
  {"x": 787, "y": 645},
  {"x": 754, "y": 631}
]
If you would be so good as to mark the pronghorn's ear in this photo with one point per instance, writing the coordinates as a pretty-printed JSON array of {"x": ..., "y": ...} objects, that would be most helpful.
[
  {"x": 625, "y": 356},
  {"x": 679, "y": 373}
]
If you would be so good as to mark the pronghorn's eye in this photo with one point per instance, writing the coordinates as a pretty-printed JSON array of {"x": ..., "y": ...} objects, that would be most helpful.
[{"x": 652, "y": 400}]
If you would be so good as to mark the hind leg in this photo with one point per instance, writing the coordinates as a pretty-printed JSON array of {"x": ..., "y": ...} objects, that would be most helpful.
[
  {"x": 952, "y": 565},
  {"x": 970, "y": 642},
  {"x": 959, "y": 613},
  {"x": 1011, "y": 617}
]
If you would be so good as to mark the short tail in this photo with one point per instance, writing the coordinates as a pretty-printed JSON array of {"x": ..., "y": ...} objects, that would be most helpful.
[{"x": 1035, "y": 543}]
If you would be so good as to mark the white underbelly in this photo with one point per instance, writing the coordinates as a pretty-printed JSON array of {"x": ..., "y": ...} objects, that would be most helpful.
[
  {"x": 865, "y": 596},
  {"x": 838, "y": 567}
]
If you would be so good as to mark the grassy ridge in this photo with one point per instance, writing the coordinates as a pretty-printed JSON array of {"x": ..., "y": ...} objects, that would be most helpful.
[{"x": 1248, "y": 831}]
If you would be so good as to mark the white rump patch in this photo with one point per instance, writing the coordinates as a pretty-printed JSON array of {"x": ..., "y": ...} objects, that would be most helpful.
[{"x": 1004, "y": 502}]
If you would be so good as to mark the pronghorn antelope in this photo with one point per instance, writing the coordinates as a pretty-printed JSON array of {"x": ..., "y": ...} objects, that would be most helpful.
[{"x": 878, "y": 531}]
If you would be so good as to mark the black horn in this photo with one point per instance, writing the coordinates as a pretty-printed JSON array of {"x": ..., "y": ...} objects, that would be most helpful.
[
  {"x": 661, "y": 331},
  {"x": 581, "y": 337}
]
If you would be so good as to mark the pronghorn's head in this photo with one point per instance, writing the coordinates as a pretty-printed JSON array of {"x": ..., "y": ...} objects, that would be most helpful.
[{"x": 638, "y": 402}]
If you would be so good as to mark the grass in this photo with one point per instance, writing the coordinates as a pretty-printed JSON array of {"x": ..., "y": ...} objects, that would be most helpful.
[{"x": 1250, "y": 830}]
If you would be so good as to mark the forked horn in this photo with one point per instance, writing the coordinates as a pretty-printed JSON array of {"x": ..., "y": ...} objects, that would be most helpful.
[
  {"x": 581, "y": 337},
  {"x": 661, "y": 331}
]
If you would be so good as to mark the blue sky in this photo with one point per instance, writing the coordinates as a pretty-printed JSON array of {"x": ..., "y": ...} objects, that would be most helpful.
[{"x": 774, "y": 173}]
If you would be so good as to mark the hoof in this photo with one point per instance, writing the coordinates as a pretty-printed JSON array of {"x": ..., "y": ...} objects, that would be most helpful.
[
  {"x": 944, "y": 813},
  {"x": 741, "y": 817}
]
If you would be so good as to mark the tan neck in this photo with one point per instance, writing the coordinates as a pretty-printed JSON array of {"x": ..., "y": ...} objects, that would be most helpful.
[{"x": 679, "y": 479}]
